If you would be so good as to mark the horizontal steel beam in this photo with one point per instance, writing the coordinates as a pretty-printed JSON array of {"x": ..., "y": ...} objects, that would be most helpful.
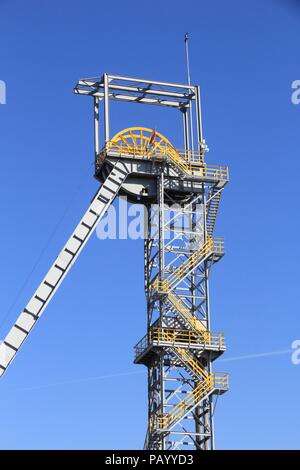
[
  {"x": 132, "y": 99},
  {"x": 152, "y": 82}
]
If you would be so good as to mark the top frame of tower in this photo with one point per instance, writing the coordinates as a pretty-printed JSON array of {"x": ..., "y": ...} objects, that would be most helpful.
[
  {"x": 134, "y": 144},
  {"x": 138, "y": 90},
  {"x": 143, "y": 91}
]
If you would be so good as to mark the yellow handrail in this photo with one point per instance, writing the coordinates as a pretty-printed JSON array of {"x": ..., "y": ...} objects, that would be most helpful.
[
  {"x": 193, "y": 397},
  {"x": 191, "y": 166},
  {"x": 175, "y": 335},
  {"x": 188, "y": 358},
  {"x": 147, "y": 143},
  {"x": 211, "y": 246}
]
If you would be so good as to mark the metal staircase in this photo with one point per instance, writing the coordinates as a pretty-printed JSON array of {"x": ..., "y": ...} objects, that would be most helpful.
[
  {"x": 211, "y": 247},
  {"x": 206, "y": 383},
  {"x": 136, "y": 142},
  {"x": 178, "y": 349},
  {"x": 190, "y": 363}
]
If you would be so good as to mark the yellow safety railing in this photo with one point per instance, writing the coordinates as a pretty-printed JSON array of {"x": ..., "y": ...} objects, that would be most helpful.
[
  {"x": 142, "y": 345},
  {"x": 211, "y": 246},
  {"x": 160, "y": 153},
  {"x": 194, "y": 364},
  {"x": 220, "y": 381},
  {"x": 166, "y": 420},
  {"x": 189, "y": 164},
  {"x": 187, "y": 358},
  {"x": 193, "y": 321},
  {"x": 188, "y": 337}
]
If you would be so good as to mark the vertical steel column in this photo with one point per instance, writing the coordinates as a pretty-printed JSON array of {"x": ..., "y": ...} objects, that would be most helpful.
[
  {"x": 198, "y": 115},
  {"x": 186, "y": 132},
  {"x": 106, "y": 108},
  {"x": 161, "y": 244},
  {"x": 207, "y": 306},
  {"x": 191, "y": 126}
]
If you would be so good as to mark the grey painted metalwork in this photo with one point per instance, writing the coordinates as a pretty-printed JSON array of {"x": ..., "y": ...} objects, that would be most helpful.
[
  {"x": 62, "y": 265},
  {"x": 181, "y": 193},
  {"x": 170, "y": 378}
]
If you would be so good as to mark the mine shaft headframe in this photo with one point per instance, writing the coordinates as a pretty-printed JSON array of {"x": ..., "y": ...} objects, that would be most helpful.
[{"x": 138, "y": 90}]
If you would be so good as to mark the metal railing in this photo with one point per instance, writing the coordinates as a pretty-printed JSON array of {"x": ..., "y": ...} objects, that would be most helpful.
[
  {"x": 191, "y": 363},
  {"x": 166, "y": 420},
  {"x": 141, "y": 346},
  {"x": 187, "y": 337},
  {"x": 221, "y": 381},
  {"x": 190, "y": 162}
]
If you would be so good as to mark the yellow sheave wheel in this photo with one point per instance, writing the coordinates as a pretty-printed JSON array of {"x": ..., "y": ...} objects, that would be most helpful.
[{"x": 136, "y": 141}]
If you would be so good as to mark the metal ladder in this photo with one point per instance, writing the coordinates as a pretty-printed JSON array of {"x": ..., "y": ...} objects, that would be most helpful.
[{"x": 62, "y": 265}]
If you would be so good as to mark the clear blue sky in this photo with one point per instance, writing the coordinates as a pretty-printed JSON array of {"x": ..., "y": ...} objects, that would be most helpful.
[{"x": 245, "y": 56}]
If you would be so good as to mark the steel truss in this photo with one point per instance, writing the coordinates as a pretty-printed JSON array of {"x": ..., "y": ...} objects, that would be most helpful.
[
  {"x": 182, "y": 194},
  {"x": 175, "y": 233}
]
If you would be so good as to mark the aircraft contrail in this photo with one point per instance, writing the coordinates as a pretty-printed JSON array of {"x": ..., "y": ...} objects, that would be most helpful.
[
  {"x": 128, "y": 373},
  {"x": 77, "y": 381},
  {"x": 253, "y": 356}
]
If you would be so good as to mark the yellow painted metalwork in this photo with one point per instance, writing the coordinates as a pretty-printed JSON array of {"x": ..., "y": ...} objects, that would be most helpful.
[
  {"x": 211, "y": 246},
  {"x": 211, "y": 382},
  {"x": 135, "y": 141},
  {"x": 188, "y": 337}
]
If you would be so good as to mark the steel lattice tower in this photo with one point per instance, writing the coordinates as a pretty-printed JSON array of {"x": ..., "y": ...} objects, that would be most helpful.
[{"x": 181, "y": 193}]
